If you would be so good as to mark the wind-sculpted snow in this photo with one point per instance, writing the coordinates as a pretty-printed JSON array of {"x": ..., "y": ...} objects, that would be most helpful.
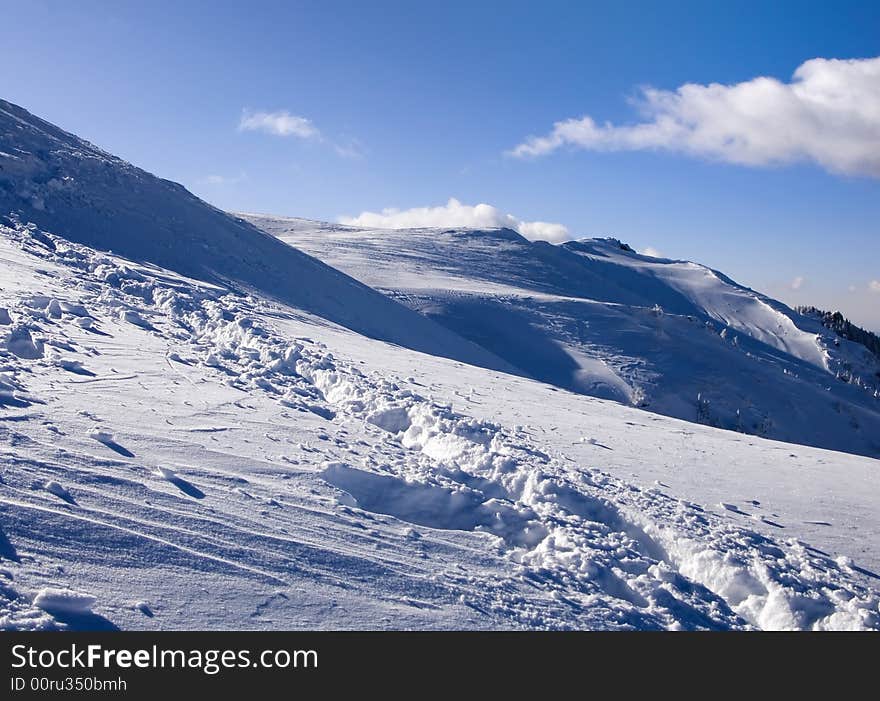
[
  {"x": 185, "y": 460},
  {"x": 595, "y": 317}
]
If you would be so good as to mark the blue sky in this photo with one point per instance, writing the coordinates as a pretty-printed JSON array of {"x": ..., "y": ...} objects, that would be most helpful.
[{"x": 410, "y": 104}]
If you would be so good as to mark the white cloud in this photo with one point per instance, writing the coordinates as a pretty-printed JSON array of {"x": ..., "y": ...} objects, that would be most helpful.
[
  {"x": 283, "y": 123},
  {"x": 280, "y": 123},
  {"x": 797, "y": 283},
  {"x": 829, "y": 114},
  {"x": 542, "y": 231},
  {"x": 874, "y": 286},
  {"x": 219, "y": 180},
  {"x": 651, "y": 251},
  {"x": 454, "y": 213}
]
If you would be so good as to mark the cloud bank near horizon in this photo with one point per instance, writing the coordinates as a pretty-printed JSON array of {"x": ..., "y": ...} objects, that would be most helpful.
[
  {"x": 829, "y": 114},
  {"x": 454, "y": 213}
]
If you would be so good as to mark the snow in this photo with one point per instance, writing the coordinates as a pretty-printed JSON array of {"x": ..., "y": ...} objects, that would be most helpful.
[
  {"x": 63, "y": 601},
  {"x": 243, "y": 462},
  {"x": 18, "y": 613},
  {"x": 133, "y": 317},
  {"x": 55, "y": 488},
  {"x": 20, "y": 342},
  {"x": 101, "y": 435},
  {"x": 53, "y": 309},
  {"x": 594, "y": 317},
  {"x": 352, "y": 476}
]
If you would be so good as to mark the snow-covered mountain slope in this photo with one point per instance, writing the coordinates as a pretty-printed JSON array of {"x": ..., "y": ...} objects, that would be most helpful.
[
  {"x": 188, "y": 443},
  {"x": 70, "y": 187},
  {"x": 177, "y": 455},
  {"x": 595, "y": 317}
]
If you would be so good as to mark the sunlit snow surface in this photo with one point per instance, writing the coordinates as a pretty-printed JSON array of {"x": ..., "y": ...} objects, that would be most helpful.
[{"x": 175, "y": 455}]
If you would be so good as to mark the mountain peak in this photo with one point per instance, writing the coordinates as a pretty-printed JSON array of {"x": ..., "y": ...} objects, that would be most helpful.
[{"x": 65, "y": 185}]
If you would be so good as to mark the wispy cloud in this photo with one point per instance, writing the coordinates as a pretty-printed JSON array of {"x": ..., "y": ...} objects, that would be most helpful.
[
  {"x": 797, "y": 283},
  {"x": 281, "y": 123},
  {"x": 351, "y": 148},
  {"x": 454, "y": 213},
  {"x": 828, "y": 114},
  {"x": 651, "y": 251},
  {"x": 874, "y": 286}
]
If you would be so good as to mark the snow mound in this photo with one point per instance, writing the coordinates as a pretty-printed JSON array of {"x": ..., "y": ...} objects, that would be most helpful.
[
  {"x": 131, "y": 316},
  {"x": 55, "y": 488},
  {"x": 20, "y": 342},
  {"x": 166, "y": 473},
  {"x": 102, "y": 435},
  {"x": 64, "y": 601}
]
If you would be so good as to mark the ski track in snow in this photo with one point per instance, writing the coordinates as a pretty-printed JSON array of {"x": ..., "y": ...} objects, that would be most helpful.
[{"x": 405, "y": 501}]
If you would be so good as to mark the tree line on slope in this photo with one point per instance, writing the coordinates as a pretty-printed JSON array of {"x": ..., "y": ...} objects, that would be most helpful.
[{"x": 843, "y": 327}]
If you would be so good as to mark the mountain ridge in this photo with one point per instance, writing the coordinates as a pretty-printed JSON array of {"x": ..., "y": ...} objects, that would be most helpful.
[{"x": 672, "y": 336}]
